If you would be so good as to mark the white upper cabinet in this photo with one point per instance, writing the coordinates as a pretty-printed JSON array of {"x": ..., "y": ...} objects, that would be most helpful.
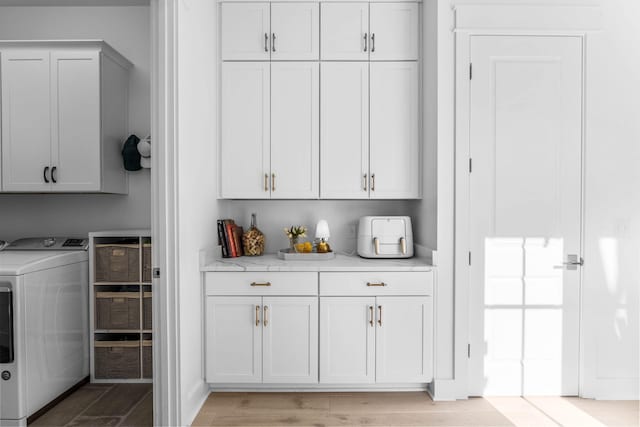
[
  {"x": 376, "y": 31},
  {"x": 276, "y": 31},
  {"x": 26, "y": 121},
  {"x": 76, "y": 86},
  {"x": 345, "y": 31},
  {"x": 394, "y": 31},
  {"x": 246, "y": 32},
  {"x": 64, "y": 116},
  {"x": 394, "y": 141},
  {"x": 344, "y": 146},
  {"x": 295, "y": 90},
  {"x": 245, "y": 130},
  {"x": 295, "y": 33}
]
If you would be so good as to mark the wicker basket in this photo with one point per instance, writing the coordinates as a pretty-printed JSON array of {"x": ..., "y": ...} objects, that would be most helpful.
[
  {"x": 146, "y": 262},
  {"x": 147, "y": 312},
  {"x": 117, "y": 359},
  {"x": 117, "y": 310},
  {"x": 147, "y": 359},
  {"x": 117, "y": 263}
]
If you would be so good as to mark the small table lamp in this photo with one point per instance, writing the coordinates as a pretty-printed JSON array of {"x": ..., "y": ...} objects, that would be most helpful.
[{"x": 322, "y": 230}]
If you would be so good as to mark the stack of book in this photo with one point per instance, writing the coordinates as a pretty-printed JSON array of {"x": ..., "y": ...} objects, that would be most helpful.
[{"x": 230, "y": 238}]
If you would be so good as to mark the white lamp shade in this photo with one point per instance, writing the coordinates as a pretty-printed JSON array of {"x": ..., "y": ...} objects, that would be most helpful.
[{"x": 322, "y": 230}]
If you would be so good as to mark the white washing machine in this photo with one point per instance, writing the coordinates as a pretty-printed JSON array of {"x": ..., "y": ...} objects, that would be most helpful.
[{"x": 44, "y": 339}]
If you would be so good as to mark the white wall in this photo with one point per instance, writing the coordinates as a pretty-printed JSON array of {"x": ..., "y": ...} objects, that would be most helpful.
[
  {"x": 342, "y": 216},
  {"x": 127, "y": 30},
  {"x": 611, "y": 240},
  {"x": 197, "y": 206}
]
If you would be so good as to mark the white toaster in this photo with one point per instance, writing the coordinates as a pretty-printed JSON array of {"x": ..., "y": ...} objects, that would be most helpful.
[{"x": 385, "y": 237}]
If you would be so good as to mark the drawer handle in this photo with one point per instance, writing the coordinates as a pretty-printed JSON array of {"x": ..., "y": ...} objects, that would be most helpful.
[
  {"x": 260, "y": 284},
  {"x": 266, "y": 182},
  {"x": 376, "y": 284},
  {"x": 365, "y": 42},
  {"x": 403, "y": 245},
  {"x": 376, "y": 245},
  {"x": 380, "y": 315},
  {"x": 257, "y": 315},
  {"x": 265, "y": 319},
  {"x": 371, "y": 315}
]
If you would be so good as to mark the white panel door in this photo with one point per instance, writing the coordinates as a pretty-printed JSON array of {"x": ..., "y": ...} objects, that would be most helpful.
[
  {"x": 344, "y": 130},
  {"x": 295, "y": 31},
  {"x": 403, "y": 339},
  {"x": 394, "y": 130},
  {"x": 294, "y": 130},
  {"x": 234, "y": 340},
  {"x": 347, "y": 340},
  {"x": 344, "y": 31},
  {"x": 525, "y": 129},
  {"x": 244, "y": 164},
  {"x": 394, "y": 31},
  {"x": 26, "y": 121},
  {"x": 245, "y": 31},
  {"x": 75, "y": 151},
  {"x": 290, "y": 338}
]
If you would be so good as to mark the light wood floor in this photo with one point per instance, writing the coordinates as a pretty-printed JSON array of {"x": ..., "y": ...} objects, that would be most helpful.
[
  {"x": 410, "y": 409},
  {"x": 96, "y": 405}
]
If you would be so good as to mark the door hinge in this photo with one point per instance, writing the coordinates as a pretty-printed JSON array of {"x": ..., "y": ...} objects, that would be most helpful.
[
  {"x": 156, "y": 272},
  {"x": 470, "y": 70},
  {"x": 469, "y": 351},
  {"x": 470, "y": 165},
  {"x": 469, "y": 257}
]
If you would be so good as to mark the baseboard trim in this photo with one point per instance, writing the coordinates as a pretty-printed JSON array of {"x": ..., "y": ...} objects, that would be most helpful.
[
  {"x": 444, "y": 390},
  {"x": 308, "y": 388}
]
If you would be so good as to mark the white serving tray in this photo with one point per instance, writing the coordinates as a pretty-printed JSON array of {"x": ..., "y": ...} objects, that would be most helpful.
[{"x": 287, "y": 255}]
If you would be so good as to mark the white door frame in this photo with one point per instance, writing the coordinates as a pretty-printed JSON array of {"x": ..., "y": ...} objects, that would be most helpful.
[
  {"x": 462, "y": 193},
  {"x": 166, "y": 354}
]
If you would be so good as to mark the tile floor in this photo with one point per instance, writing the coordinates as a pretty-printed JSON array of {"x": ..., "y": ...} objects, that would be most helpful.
[{"x": 112, "y": 405}]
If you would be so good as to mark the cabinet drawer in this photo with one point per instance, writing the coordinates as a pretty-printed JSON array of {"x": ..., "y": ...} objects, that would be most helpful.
[
  {"x": 377, "y": 283},
  {"x": 261, "y": 283}
]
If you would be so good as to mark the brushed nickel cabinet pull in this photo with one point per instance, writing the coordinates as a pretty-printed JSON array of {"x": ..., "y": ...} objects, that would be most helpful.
[
  {"x": 371, "y": 315},
  {"x": 376, "y": 245},
  {"x": 257, "y": 315},
  {"x": 373, "y": 182},
  {"x": 265, "y": 320},
  {"x": 266, "y": 182},
  {"x": 260, "y": 283},
  {"x": 364, "y": 182},
  {"x": 380, "y": 315},
  {"x": 365, "y": 42},
  {"x": 403, "y": 245},
  {"x": 376, "y": 284},
  {"x": 273, "y": 182},
  {"x": 273, "y": 42},
  {"x": 266, "y": 40},
  {"x": 373, "y": 42}
]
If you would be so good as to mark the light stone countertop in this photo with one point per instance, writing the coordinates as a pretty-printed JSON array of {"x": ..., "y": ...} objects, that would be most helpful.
[{"x": 270, "y": 262}]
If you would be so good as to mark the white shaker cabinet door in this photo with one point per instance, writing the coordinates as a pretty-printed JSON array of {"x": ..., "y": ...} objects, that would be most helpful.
[
  {"x": 347, "y": 340},
  {"x": 394, "y": 129},
  {"x": 75, "y": 87},
  {"x": 234, "y": 340},
  {"x": 403, "y": 339},
  {"x": 294, "y": 130},
  {"x": 245, "y": 31},
  {"x": 394, "y": 31},
  {"x": 345, "y": 31},
  {"x": 245, "y": 130},
  {"x": 344, "y": 132},
  {"x": 26, "y": 121},
  {"x": 290, "y": 340},
  {"x": 295, "y": 31}
]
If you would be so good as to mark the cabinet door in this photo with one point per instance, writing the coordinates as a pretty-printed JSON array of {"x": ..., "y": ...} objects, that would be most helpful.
[
  {"x": 245, "y": 31},
  {"x": 75, "y": 145},
  {"x": 244, "y": 148},
  {"x": 347, "y": 335},
  {"x": 394, "y": 130},
  {"x": 295, "y": 31},
  {"x": 344, "y": 116},
  {"x": 26, "y": 121},
  {"x": 234, "y": 340},
  {"x": 290, "y": 339},
  {"x": 294, "y": 130},
  {"x": 404, "y": 339},
  {"x": 394, "y": 31},
  {"x": 345, "y": 31}
]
